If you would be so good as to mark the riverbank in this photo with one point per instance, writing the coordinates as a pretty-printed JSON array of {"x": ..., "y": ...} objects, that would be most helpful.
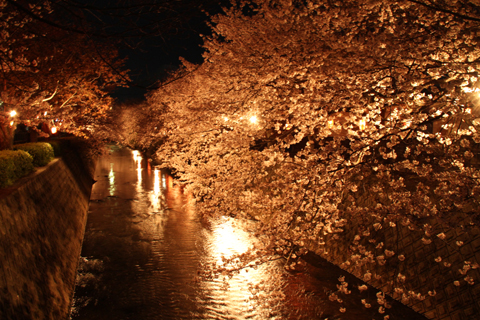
[{"x": 42, "y": 221}]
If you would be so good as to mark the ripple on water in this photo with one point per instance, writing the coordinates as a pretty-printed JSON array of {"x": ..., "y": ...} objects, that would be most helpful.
[{"x": 144, "y": 247}]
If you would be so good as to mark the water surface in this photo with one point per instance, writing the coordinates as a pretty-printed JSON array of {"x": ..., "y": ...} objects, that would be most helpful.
[{"x": 145, "y": 248}]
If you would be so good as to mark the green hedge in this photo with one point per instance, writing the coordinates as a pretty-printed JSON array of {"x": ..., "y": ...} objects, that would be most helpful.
[
  {"x": 14, "y": 164},
  {"x": 42, "y": 152}
]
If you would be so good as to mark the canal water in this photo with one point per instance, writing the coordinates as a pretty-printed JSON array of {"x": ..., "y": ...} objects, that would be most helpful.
[{"x": 145, "y": 249}]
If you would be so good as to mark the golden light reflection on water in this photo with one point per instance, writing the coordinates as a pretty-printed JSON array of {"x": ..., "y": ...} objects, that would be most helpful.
[
  {"x": 138, "y": 204},
  {"x": 111, "y": 180},
  {"x": 138, "y": 161},
  {"x": 164, "y": 181},
  {"x": 167, "y": 223},
  {"x": 155, "y": 195},
  {"x": 237, "y": 294},
  {"x": 156, "y": 181},
  {"x": 228, "y": 241}
]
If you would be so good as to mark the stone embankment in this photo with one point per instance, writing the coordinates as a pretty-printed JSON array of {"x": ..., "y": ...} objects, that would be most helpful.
[
  {"x": 42, "y": 222},
  {"x": 442, "y": 266}
]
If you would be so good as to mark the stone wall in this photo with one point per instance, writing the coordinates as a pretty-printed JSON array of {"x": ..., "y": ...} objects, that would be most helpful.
[
  {"x": 42, "y": 222},
  {"x": 446, "y": 295}
]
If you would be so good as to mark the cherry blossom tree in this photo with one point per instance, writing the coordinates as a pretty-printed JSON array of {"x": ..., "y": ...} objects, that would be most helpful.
[
  {"x": 133, "y": 124},
  {"x": 52, "y": 74},
  {"x": 327, "y": 121}
]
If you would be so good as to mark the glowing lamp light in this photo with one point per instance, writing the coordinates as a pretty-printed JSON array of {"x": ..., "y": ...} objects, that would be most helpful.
[
  {"x": 362, "y": 124},
  {"x": 11, "y": 123},
  {"x": 13, "y": 113},
  {"x": 470, "y": 90},
  {"x": 253, "y": 119},
  {"x": 54, "y": 130},
  {"x": 330, "y": 124}
]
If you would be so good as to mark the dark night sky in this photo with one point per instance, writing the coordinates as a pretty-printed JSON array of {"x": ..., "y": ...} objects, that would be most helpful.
[
  {"x": 152, "y": 34},
  {"x": 169, "y": 36},
  {"x": 154, "y": 59}
]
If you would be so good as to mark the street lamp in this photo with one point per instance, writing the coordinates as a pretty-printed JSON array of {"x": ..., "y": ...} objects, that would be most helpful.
[
  {"x": 12, "y": 114},
  {"x": 362, "y": 124}
]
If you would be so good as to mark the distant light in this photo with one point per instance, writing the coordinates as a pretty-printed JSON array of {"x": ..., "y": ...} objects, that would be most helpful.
[
  {"x": 253, "y": 119},
  {"x": 13, "y": 113},
  {"x": 45, "y": 113},
  {"x": 362, "y": 124},
  {"x": 54, "y": 130},
  {"x": 330, "y": 124},
  {"x": 225, "y": 118},
  {"x": 11, "y": 123},
  {"x": 470, "y": 90}
]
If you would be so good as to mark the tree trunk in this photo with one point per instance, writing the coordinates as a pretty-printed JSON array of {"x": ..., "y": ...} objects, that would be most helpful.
[{"x": 6, "y": 136}]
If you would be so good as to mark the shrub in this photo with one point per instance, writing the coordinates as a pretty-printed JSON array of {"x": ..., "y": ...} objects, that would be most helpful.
[
  {"x": 42, "y": 152},
  {"x": 23, "y": 163},
  {"x": 14, "y": 164}
]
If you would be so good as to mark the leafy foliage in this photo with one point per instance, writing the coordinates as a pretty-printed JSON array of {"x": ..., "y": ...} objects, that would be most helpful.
[
  {"x": 14, "y": 165},
  {"x": 314, "y": 116},
  {"x": 45, "y": 77},
  {"x": 133, "y": 124},
  {"x": 42, "y": 152}
]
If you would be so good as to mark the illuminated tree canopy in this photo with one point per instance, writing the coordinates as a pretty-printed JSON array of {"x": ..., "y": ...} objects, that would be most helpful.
[
  {"x": 309, "y": 116},
  {"x": 51, "y": 73},
  {"x": 60, "y": 59}
]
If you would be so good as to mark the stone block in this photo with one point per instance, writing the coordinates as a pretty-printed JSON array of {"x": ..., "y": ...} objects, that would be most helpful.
[
  {"x": 428, "y": 303},
  {"x": 475, "y": 292},
  {"x": 454, "y": 303},
  {"x": 458, "y": 315},
  {"x": 450, "y": 291},
  {"x": 440, "y": 296},
  {"x": 469, "y": 312},
  {"x": 431, "y": 314},
  {"x": 419, "y": 307},
  {"x": 419, "y": 256},
  {"x": 476, "y": 244},
  {"x": 477, "y": 257},
  {"x": 467, "y": 251},
  {"x": 406, "y": 241}
]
